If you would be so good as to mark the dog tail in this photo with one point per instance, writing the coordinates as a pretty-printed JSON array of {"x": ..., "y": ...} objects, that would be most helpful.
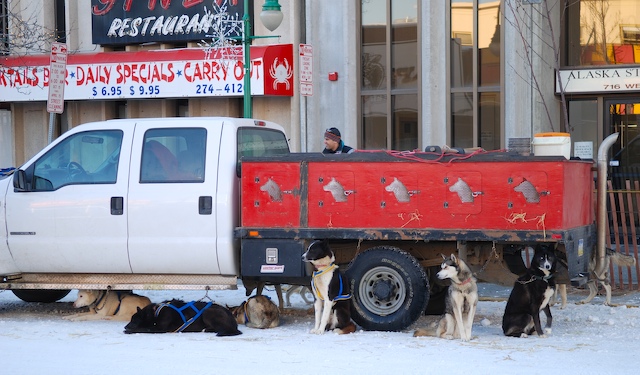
[
  {"x": 424, "y": 332},
  {"x": 621, "y": 259},
  {"x": 350, "y": 328}
]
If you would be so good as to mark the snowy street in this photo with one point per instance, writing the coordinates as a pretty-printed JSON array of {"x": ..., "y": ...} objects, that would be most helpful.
[{"x": 586, "y": 339}]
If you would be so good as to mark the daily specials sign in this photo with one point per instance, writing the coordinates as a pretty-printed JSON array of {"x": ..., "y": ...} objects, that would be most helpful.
[
  {"x": 173, "y": 73},
  {"x": 143, "y": 21}
]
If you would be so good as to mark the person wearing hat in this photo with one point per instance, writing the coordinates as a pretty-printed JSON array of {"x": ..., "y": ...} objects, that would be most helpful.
[{"x": 333, "y": 144}]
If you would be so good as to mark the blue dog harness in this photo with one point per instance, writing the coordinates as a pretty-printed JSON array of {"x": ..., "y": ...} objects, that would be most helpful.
[
  {"x": 341, "y": 295},
  {"x": 186, "y": 323}
]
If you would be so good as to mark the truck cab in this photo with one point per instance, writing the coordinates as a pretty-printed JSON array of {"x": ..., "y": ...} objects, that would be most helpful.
[{"x": 126, "y": 204}]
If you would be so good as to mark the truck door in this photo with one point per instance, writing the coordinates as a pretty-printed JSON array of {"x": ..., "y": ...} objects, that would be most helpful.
[
  {"x": 171, "y": 205},
  {"x": 68, "y": 215}
]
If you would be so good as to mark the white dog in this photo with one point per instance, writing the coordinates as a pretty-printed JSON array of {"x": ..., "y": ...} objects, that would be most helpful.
[{"x": 108, "y": 304}]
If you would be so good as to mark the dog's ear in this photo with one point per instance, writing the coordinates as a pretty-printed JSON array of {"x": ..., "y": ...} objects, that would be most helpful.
[
  {"x": 453, "y": 258},
  {"x": 443, "y": 256},
  {"x": 138, "y": 308}
]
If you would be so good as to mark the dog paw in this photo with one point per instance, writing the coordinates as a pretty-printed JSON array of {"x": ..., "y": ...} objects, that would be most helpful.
[
  {"x": 317, "y": 331},
  {"x": 448, "y": 337},
  {"x": 524, "y": 336},
  {"x": 547, "y": 331}
]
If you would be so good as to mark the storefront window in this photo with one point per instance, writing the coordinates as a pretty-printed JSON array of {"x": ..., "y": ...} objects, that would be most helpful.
[
  {"x": 475, "y": 73},
  {"x": 390, "y": 74},
  {"x": 603, "y": 32},
  {"x": 462, "y": 43}
]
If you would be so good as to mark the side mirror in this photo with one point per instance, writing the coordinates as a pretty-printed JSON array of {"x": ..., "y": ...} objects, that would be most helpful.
[{"x": 19, "y": 180}]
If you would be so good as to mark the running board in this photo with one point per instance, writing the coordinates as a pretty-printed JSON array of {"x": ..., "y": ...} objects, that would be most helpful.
[{"x": 119, "y": 282}]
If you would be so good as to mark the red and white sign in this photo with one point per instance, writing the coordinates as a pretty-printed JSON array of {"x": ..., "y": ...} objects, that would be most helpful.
[
  {"x": 151, "y": 74},
  {"x": 58, "y": 69},
  {"x": 306, "y": 70}
]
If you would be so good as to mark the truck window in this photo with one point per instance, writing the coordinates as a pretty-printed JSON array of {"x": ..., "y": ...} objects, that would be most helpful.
[
  {"x": 173, "y": 155},
  {"x": 261, "y": 142},
  {"x": 84, "y": 158}
]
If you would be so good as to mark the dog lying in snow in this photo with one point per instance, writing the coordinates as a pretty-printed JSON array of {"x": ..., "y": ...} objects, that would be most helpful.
[
  {"x": 257, "y": 312},
  {"x": 179, "y": 316},
  {"x": 107, "y": 304}
]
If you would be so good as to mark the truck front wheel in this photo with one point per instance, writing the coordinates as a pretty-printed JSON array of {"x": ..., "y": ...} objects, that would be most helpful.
[
  {"x": 390, "y": 289},
  {"x": 40, "y": 295}
]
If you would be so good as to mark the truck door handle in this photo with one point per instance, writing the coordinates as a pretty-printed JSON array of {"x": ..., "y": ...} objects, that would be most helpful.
[
  {"x": 117, "y": 204},
  {"x": 205, "y": 205}
]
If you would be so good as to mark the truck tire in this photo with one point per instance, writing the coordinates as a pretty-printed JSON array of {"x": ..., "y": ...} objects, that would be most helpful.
[
  {"x": 390, "y": 289},
  {"x": 40, "y": 295}
]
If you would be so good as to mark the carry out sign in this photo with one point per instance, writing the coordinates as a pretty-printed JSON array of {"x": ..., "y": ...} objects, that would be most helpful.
[{"x": 152, "y": 74}]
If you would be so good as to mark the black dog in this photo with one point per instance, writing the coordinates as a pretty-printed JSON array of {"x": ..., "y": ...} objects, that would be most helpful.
[
  {"x": 530, "y": 294},
  {"x": 178, "y": 316}
]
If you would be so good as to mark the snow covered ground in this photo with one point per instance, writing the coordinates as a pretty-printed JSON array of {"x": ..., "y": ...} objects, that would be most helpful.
[{"x": 586, "y": 339}]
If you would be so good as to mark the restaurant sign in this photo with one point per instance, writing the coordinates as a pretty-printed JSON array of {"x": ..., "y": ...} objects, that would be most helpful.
[{"x": 120, "y": 22}]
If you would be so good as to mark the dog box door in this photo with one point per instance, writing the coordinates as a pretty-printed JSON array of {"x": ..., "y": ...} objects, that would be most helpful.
[{"x": 463, "y": 193}]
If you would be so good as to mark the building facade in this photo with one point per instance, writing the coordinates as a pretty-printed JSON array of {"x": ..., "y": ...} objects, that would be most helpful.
[{"x": 390, "y": 74}]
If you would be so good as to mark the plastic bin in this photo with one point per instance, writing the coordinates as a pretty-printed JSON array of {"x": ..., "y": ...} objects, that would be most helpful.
[{"x": 552, "y": 144}]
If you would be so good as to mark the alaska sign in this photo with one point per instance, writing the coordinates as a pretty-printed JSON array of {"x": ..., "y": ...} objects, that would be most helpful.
[{"x": 600, "y": 80}]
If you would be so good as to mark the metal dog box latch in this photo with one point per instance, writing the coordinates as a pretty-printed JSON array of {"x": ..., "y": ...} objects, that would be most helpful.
[{"x": 272, "y": 255}]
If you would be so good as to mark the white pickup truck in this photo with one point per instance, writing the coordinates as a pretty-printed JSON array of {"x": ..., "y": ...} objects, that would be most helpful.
[
  {"x": 198, "y": 203},
  {"x": 130, "y": 204}
]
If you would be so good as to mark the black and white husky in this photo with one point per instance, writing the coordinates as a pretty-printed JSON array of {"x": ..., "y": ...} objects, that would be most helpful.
[
  {"x": 460, "y": 303},
  {"x": 331, "y": 291},
  {"x": 531, "y": 294}
]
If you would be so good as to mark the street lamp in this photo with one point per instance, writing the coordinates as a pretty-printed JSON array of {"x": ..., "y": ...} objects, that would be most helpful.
[{"x": 271, "y": 17}]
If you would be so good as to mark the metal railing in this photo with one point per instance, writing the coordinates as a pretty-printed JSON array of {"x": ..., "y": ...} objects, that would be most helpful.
[{"x": 623, "y": 231}]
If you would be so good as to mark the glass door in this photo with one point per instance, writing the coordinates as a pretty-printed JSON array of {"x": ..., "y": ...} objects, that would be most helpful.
[{"x": 623, "y": 116}]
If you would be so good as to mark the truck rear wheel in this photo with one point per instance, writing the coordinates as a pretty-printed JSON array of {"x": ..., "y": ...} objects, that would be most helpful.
[
  {"x": 390, "y": 289},
  {"x": 40, "y": 295}
]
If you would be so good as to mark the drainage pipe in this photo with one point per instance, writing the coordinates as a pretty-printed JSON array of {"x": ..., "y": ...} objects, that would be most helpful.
[{"x": 601, "y": 202}]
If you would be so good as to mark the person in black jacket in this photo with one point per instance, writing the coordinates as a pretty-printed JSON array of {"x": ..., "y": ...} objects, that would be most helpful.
[{"x": 333, "y": 143}]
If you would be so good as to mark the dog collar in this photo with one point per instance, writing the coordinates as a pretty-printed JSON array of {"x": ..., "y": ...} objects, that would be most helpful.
[
  {"x": 323, "y": 270},
  {"x": 246, "y": 317},
  {"x": 545, "y": 278},
  {"x": 103, "y": 294},
  {"x": 465, "y": 282}
]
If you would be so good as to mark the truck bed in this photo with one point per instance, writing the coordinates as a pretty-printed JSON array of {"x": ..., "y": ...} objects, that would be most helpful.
[{"x": 489, "y": 194}]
